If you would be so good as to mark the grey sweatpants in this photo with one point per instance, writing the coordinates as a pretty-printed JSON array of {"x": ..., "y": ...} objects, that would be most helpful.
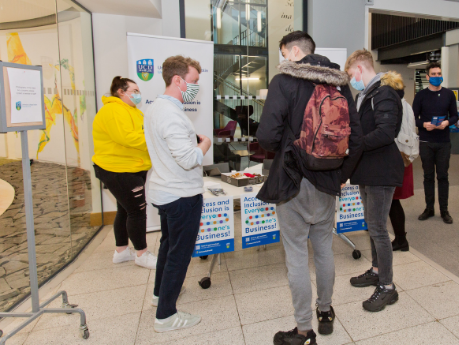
[{"x": 311, "y": 213}]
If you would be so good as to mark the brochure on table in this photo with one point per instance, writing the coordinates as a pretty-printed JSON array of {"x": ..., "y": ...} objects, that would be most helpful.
[
  {"x": 216, "y": 230},
  {"x": 260, "y": 225},
  {"x": 350, "y": 216}
]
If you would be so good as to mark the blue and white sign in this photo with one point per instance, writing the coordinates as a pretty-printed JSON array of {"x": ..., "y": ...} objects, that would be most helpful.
[
  {"x": 260, "y": 225},
  {"x": 350, "y": 215},
  {"x": 216, "y": 230}
]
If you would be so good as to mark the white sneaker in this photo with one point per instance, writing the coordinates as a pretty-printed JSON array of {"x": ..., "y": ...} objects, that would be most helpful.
[
  {"x": 126, "y": 255},
  {"x": 155, "y": 300},
  {"x": 147, "y": 260},
  {"x": 180, "y": 320}
]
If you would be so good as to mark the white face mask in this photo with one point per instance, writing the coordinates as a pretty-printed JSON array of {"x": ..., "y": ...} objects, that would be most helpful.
[{"x": 191, "y": 91}]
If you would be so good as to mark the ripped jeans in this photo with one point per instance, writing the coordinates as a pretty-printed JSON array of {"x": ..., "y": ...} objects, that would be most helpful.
[{"x": 131, "y": 216}]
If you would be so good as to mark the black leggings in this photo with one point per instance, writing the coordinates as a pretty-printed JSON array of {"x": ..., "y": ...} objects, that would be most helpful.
[
  {"x": 131, "y": 216},
  {"x": 397, "y": 218}
]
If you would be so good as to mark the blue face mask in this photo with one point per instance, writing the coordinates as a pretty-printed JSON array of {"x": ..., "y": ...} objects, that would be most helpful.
[
  {"x": 436, "y": 81},
  {"x": 358, "y": 85},
  {"x": 136, "y": 98}
]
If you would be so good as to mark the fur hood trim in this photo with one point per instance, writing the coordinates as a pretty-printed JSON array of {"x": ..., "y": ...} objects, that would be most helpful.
[
  {"x": 320, "y": 74},
  {"x": 393, "y": 79}
]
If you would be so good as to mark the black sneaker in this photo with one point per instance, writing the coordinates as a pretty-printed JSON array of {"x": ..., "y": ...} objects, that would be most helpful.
[
  {"x": 293, "y": 338},
  {"x": 380, "y": 298},
  {"x": 446, "y": 217},
  {"x": 426, "y": 214},
  {"x": 326, "y": 319},
  {"x": 369, "y": 278}
]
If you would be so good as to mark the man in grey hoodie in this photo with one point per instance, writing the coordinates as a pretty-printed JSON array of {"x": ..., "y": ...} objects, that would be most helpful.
[{"x": 176, "y": 186}]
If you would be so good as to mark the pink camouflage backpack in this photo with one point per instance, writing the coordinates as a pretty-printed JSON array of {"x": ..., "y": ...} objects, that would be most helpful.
[{"x": 324, "y": 138}]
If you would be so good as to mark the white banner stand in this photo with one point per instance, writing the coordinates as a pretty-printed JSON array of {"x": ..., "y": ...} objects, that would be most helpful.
[
  {"x": 21, "y": 109},
  {"x": 146, "y": 55}
]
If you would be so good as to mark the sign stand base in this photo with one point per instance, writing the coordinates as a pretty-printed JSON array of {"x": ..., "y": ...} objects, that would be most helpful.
[{"x": 37, "y": 309}]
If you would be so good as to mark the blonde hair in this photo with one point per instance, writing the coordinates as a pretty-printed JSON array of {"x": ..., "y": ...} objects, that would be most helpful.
[{"x": 363, "y": 56}]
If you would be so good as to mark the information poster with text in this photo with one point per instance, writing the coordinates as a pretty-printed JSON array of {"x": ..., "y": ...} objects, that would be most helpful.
[
  {"x": 350, "y": 216},
  {"x": 259, "y": 222},
  {"x": 216, "y": 229}
]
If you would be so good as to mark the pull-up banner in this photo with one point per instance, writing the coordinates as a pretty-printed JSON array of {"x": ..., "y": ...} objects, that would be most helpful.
[{"x": 146, "y": 55}]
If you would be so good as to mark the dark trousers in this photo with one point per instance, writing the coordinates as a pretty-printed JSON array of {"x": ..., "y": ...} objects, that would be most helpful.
[
  {"x": 179, "y": 227},
  {"x": 131, "y": 216},
  {"x": 435, "y": 158},
  {"x": 376, "y": 204},
  {"x": 397, "y": 218}
]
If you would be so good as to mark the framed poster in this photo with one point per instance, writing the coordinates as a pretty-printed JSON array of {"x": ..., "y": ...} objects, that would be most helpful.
[{"x": 22, "y": 105}]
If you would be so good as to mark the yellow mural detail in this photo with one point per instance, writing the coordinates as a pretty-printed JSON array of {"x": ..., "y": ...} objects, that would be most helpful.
[
  {"x": 16, "y": 53},
  {"x": 53, "y": 106}
]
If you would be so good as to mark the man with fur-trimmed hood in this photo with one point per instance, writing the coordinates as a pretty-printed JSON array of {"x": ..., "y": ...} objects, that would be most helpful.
[
  {"x": 379, "y": 171},
  {"x": 305, "y": 198}
]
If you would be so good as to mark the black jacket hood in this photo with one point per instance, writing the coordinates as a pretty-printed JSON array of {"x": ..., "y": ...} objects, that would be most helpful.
[{"x": 315, "y": 68}]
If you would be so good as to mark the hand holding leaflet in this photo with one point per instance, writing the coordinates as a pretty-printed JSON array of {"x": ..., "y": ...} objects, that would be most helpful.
[{"x": 437, "y": 120}]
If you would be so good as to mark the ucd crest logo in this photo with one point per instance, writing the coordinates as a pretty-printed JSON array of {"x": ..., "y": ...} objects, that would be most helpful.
[
  {"x": 145, "y": 69},
  {"x": 18, "y": 106}
]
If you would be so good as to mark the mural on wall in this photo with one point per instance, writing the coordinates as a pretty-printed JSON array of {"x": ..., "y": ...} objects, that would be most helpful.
[{"x": 53, "y": 106}]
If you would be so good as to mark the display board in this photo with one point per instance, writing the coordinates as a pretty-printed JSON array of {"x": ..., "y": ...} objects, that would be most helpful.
[
  {"x": 259, "y": 222},
  {"x": 350, "y": 214},
  {"x": 216, "y": 229},
  {"x": 21, "y": 98}
]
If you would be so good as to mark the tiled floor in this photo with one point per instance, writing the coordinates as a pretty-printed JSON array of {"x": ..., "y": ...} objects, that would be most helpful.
[
  {"x": 60, "y": 234},
  {"x": 250, "y": 300}
]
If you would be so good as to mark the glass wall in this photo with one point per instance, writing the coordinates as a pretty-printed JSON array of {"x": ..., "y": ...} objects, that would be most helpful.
[
  {"x": 246, "y": 34},
  {"x": 66, "y": 194}
]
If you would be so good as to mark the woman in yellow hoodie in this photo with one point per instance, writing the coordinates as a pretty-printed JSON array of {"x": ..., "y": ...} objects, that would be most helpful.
[{"x": 121, "y": 162}]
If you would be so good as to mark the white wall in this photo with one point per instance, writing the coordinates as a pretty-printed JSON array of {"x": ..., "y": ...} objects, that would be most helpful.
[
  {"x": 110, "y": 55},
  {"x": 437, "y": 8}
]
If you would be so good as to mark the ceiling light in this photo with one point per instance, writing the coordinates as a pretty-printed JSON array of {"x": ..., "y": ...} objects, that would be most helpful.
[
  {"x": 259, "y": 21},
  {"x": 247, "y": 12}
]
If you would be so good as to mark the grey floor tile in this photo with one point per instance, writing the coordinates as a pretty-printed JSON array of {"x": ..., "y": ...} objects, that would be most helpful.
[
  {"x": 119, "y": 330},
  {"x": 345, "y": 264},
  {"x": 18, "y": 339},
  {"x": 361, "y": 324},
  {"x": 431, "y": 333},
  {"x": 105, "y": 279},
  {"x": 400, "y": 258},
  {"x": 344, "y": 292},
  {"x": 441, "y": 300},
  {"x": 247, "y": 258},
  {"x": 264, "y": 305},
  {"x": 258, "y": 278},
  {"x": 101, "y": 260},
  {"x": 97, "y": 305},
  {"x": 217, "y": 315},
  {"x": 452, "y": 323},
  {"x": 231, "y": 336},
  {"x": 417, "y": 274}
]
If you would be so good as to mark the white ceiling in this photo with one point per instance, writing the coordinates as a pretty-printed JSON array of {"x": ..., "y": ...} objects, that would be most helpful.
[
  {"x": 19, "y": 10},
  {"x": 136, "y": 8}
]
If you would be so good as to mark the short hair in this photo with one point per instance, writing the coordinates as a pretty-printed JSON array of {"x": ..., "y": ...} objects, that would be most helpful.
[
  {"x": 300, "y": 39},
  {"x": 432, "y": 65},
  {"x": 178, "y": 65},
  {"x": 119, "y": 83},
  {"x": 363, "y": 56}
]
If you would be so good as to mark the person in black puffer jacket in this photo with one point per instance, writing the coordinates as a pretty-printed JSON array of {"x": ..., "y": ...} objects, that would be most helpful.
[{"x": 378, "y": 172}]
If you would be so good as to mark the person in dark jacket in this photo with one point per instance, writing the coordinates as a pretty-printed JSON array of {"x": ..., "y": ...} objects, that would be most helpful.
[
  {"x": 435, "y": 144},
  {"x": 305, "y": 199},
  {"x": 378, "y": 172}
]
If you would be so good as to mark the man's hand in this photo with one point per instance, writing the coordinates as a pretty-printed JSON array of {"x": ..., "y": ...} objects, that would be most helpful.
[
  {"x": 443, "y": 125},
  {"x": 204, "y": 144},
  {"x": 429, "y": 126},
  {"x": 343, "y": 185}
]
